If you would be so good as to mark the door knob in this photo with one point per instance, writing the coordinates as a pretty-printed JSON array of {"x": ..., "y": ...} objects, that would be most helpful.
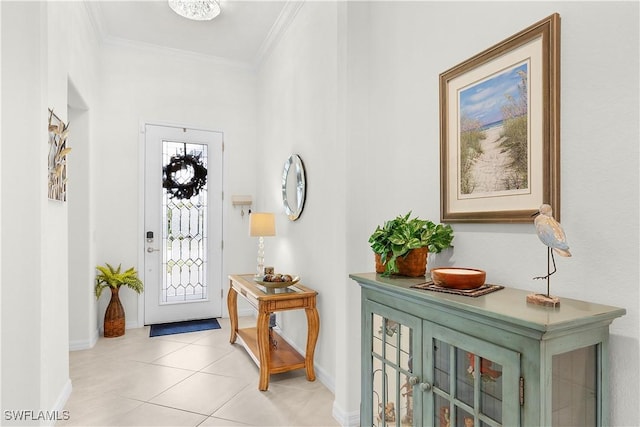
[
  {"x": 150, "y": 250},
  {"x": 414, "y": 380},
  {"x": 425, "y": 386}
]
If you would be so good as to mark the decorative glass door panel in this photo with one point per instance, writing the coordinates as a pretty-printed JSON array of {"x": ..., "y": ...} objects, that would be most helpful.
[
  {"x": 575, "y": 387},
  {"x": 184, "y": 226},
  {"x": 392, "y": 349},
  {"x": 468, "y": 389}
]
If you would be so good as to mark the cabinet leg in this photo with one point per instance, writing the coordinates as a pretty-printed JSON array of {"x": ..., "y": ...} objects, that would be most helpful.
[
  {"x": 262, "y": 327},
  {"x": 313, "y": 329},
  {"x": 232, "y": 306}
]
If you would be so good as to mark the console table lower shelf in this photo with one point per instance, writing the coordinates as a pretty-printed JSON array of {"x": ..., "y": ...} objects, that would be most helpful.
[
  {"x": 269, "y": 350},
  {"x": 283, "y": 358}
]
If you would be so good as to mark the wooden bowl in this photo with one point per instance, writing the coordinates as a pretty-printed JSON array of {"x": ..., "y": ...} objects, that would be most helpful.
[
  {"x": 458, "y": 278},
  {"x": 277, "y": 285}
]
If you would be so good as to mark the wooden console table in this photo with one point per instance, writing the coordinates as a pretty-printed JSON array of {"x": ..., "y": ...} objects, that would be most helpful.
[{"x": 281, "y": 357}]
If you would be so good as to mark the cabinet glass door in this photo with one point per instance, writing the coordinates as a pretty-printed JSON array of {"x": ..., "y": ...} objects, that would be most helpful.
[
  {"x": 393, "y": 365},
  {"x": 575, "y": 388},
  {"x": 473, "y": 383}
]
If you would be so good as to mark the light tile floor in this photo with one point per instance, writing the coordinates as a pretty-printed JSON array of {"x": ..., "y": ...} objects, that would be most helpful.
[{"x": 193, "y": 379}]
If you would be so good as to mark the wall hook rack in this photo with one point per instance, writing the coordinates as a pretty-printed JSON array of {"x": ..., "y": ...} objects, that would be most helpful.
[{"x": 241, "y": 201}]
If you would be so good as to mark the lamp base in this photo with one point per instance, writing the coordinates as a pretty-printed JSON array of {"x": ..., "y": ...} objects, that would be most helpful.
[{"x": 260, "y": 266}]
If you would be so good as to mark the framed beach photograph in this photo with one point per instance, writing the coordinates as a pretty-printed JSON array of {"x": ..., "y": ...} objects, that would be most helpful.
[{"x": 500, "y": 129}]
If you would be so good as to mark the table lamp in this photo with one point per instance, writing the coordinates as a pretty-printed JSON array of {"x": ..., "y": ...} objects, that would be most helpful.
[{"x": 261, "y": 224}]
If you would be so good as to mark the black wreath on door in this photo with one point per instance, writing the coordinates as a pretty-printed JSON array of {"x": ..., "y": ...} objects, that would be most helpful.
[{"x": 184, "y": 177}]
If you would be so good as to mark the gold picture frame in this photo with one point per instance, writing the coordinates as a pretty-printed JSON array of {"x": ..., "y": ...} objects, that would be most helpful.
[{"x": 500, "y": 129}]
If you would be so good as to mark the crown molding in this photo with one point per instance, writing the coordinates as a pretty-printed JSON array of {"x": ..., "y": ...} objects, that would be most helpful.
[
  {"x": 93, "y": 10},
  {"x": 177, "y": 53},
  {"x": 286, "y": 17}
]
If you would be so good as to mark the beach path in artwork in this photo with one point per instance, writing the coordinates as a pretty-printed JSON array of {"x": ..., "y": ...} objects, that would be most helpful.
[{"x": 490, "y": 169}]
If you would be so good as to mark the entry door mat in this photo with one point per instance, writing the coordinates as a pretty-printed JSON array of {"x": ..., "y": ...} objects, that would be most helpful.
[
  {"x": 182, "y": 327},
  {"x": 482, "y": 290}
]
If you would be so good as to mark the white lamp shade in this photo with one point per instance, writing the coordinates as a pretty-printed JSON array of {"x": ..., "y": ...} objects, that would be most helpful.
[{"x": 262, "y": 224}]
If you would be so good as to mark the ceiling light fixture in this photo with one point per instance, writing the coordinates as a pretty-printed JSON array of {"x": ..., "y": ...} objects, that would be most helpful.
[{"x": 198, "y": 10}]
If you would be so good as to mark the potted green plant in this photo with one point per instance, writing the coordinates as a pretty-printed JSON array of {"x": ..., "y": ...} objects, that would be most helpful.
[
  {"x": 405, "y": 242},
  {"x": 113, "y": 278}
]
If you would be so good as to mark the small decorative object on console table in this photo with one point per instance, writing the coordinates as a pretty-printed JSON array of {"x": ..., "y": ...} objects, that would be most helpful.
[
  {"x": 458, "y": 278},
  {"x": 283, "y": 357},
  {"x": 488, "y": 360},
  {"x": 552, "y": 235}
]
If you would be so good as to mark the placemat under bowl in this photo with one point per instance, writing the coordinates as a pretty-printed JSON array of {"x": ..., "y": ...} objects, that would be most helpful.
[{"x": 482, "y": 290}]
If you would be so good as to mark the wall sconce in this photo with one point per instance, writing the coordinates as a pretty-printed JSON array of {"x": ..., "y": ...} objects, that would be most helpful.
[{"x": 261, "y": 224}]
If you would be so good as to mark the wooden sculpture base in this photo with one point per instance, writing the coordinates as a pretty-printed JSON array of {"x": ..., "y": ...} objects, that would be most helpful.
[{"x": 542, "y": 299}]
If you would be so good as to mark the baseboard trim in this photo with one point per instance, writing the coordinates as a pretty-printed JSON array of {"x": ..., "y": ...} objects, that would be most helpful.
[
  {"x": 345, "y": 419},
  {"x": 58, "y": 413},
  {"x": 321, "y": 374},
  {"x": 84, "y": 344},
  {"x": 132, "y": 325}
]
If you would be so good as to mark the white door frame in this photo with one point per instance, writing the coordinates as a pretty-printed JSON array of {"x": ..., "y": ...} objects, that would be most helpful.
[{"x": 141, "y": 200}]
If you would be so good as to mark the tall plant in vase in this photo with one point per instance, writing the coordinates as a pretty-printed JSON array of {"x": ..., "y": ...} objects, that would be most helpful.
[{"x": 114, "y": 278}]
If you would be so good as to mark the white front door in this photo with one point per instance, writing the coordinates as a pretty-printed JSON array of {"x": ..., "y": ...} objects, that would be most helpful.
[{"x": 182, "y": 224}]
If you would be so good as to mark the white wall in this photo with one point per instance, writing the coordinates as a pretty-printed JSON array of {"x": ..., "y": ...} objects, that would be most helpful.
[
  {"x": 386, "y": 57},
  {"x": 0, "y": 205},
  {"x": 298, "y": 113},
  {"x": 364, "y": 200},
  {"x": 145, "y": 85},
  {"x": 22, "y": 107},
  {"x": 83, "y": 327},
  {"x": 83, "y": 71},
  {"x": 35, "y": 311}
]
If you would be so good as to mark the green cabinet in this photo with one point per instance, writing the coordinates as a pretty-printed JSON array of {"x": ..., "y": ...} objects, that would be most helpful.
[{"x": 435, "y": 359}]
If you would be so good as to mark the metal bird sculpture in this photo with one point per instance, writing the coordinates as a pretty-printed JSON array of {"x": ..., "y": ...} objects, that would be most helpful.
[{"x": 552, "y": 235}]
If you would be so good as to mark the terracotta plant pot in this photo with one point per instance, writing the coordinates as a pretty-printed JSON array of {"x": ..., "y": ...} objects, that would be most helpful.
[
  {"x": 114, "y": 316},
  {"x": 413, "y": 264}
]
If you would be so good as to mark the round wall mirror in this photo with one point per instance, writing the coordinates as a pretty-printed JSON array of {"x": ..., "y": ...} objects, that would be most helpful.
[{"x": 293, "y": 187}]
